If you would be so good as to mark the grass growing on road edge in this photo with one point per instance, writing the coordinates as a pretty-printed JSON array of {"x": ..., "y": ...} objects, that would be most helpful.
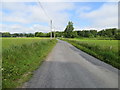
[
  {"x": 19, "y": 61},
  {"x": 105, "y": 55}
]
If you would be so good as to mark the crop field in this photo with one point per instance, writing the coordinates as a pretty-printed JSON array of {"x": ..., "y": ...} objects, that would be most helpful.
[
  {"x": 21, "y": 56},
  {"x": 105, "y": 50}
]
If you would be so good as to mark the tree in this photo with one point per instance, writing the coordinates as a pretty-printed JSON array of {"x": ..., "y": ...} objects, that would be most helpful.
[
  {"x": 68, "y": 30},
  {"x": 21, "y": 34},
  {"x": 108, "y": 33},
  {"x": 102, "y": 33},
  {"x": 88, "y": 34},
  {"x": 48, "y": 34},
  {"x": 59, "y": 34},
  {"x": 6, "y": 34},
  {"x": 117, "y": 35},
  {"x": 81, "y": 33},
  {"x": 30, "y": 35},
  {"x": 0, "y": 34},
  {"x": 15, "y": 35},
  {"x": 94, "y": 32},
  {"x": 74, "y": 34},
  {"x": 38, "y": 34}
]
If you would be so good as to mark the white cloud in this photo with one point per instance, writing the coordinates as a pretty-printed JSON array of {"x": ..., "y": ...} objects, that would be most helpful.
[
  {"x": 35, "y": 12},
  {"x": 16, "y": 28},
  {"x": 27, "y": 14},
  {"x": 104, "y": 17},
  {"x": 40, "y": 28},
  {"x": 82, "y": 9}
]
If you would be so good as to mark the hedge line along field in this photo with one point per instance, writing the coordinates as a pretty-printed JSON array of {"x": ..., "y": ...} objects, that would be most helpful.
[
  {"x": 105, "y": 50},
  {"x": 21, "y": 57}
]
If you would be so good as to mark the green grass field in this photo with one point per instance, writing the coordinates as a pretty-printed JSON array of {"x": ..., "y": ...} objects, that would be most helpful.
[
  {"x": 21, "y": 56},
  {"x": 8, "y": 42},
  {"x": 104, "y": 44},
  {"x": 105, "y": 50}
]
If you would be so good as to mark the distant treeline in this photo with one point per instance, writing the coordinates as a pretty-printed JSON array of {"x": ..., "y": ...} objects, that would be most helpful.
[
  {"x": 111, "y": 33},
  {"x": 37, "y": 34}
]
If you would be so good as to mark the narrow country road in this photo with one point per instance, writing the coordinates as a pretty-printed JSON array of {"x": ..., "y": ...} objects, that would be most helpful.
[{"x": 68, "y": 67}]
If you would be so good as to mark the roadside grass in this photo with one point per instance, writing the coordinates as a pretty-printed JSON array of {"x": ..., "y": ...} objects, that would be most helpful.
[
  {"x": 105, "y": 50},
  {"x": 18, "y": 61}
]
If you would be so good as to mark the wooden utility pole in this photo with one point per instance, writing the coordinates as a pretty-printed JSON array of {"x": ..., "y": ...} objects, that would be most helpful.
[
  {"x": 51, "y": 28},
  {"x": 54, "y": 32}
]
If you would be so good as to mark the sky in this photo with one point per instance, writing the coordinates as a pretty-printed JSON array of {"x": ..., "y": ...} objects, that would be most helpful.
[{"x": 29, "y": 17}]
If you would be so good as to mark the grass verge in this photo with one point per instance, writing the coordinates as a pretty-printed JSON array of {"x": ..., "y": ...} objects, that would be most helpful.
[
  {"x": 18, "y": 62},
  {"x": 103, "y": 54}
]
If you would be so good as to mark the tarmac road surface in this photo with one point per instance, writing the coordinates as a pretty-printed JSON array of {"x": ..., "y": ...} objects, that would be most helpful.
[{"x": 68, "y": 67}]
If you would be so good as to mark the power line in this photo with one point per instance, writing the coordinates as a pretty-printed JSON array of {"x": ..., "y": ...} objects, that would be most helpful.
[
  {"x": 43, "y": 10},
  {"x": 48, "y": 18}
]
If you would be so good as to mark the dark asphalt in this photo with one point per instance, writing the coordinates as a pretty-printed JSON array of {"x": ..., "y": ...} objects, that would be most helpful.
[{"x": 68, "y": 67}]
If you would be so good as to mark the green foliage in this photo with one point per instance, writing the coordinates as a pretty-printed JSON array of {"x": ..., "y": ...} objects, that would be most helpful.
[
  {"x": 6, "y": 34},
  {"x": 68, "y": 30},
  {"x": 74, "y": 34},
  {"x": 88, "y": 34},
  {"x": 111, "y": 33},
  {"x": 93, "y": 32},
  {"x": 40, "y": 34},
  {"x": 59, "y": 34},
  {"x": 20, "y": 60},
  {"x": 107, "y": 53},
  {"x": 28, "y": 35},
  {"x": 108, "y": 32},
  {"x": 117, "y": 35}
]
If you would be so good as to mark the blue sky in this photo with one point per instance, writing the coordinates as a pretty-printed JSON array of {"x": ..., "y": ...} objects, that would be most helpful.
[
  {"x": 28, "y": 17},
  {"x": 80, "y": 21}
]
